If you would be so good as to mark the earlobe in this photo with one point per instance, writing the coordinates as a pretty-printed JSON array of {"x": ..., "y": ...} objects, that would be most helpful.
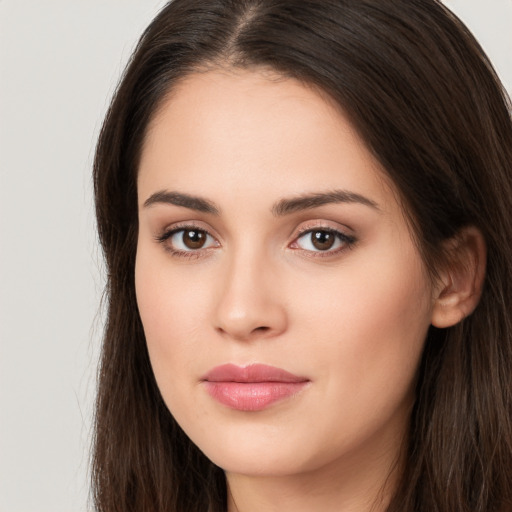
[{"x": 459, "y": 288}]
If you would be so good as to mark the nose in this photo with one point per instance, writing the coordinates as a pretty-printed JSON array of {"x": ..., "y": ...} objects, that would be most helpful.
[{"x": 249, "y": 304}]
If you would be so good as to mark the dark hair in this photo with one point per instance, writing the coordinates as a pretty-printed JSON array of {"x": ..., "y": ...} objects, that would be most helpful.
[{"x": 427, "y": 102}]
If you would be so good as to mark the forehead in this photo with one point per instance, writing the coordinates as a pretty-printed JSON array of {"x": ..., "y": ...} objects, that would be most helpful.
[
  {"x": 254, "y": 132},
  {"x": 239, "y": 102}
]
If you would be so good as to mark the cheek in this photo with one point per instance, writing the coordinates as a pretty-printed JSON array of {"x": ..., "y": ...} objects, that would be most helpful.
[
  {"x": 170, "y": 310},
  {"x": 372, "y": 322},
  {"x": 170, "y": 320},
  {"x": 363, "y": 334}
]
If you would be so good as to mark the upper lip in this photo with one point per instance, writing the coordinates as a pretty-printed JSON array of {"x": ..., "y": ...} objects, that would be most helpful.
[{"x": 251, "y": 373}]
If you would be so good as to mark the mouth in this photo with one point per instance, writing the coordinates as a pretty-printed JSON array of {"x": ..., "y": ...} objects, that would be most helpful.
[{"x": 253, "y": 387}]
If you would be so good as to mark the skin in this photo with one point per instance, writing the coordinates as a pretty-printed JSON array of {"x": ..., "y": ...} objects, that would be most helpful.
[{"x": 352, "y": 319}]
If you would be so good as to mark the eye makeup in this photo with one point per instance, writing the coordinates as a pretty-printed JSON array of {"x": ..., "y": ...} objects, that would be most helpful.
[
  {"x": 187, "y": 241},
  {"x": 322, "y": 241},
  {"x": 315, "y": 240}
]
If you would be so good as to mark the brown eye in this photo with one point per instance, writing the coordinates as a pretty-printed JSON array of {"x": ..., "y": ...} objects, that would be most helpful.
[
  {"x": 322, "y": 240},
  {"x": 190, "y": 239},
  {"x": 194, "y": 239}
]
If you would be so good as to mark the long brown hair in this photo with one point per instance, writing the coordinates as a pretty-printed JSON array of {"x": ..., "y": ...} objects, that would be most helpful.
[{"x": 424, "y": 97}]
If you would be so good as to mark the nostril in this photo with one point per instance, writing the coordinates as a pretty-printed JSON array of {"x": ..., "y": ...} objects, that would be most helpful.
[{"x": 261, "y": 329}]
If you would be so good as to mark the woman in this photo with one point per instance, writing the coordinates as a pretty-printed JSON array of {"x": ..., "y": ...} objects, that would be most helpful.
[{"x": 305, "y": 212}]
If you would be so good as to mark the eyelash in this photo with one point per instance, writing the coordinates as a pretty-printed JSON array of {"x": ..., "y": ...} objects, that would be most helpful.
[
  {"x": 347, "y": 241},
  {"x": 193, "y": 254}
]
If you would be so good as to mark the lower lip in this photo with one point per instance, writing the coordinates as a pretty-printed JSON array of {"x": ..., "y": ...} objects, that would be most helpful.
[{"x": 252, "y": 396}]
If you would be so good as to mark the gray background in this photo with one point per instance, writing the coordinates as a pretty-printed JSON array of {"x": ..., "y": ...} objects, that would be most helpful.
[{"x": 59, "y": 63}]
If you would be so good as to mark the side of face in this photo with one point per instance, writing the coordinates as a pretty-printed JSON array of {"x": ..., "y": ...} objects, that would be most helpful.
[{"x": 235, "y": 267}]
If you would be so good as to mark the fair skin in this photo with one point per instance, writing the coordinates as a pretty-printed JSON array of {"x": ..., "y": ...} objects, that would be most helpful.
[{"x": 237, "y": 276}]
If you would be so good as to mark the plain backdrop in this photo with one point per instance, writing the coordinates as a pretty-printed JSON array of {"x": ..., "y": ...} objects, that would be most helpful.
[{"x": 59, "y": 63}]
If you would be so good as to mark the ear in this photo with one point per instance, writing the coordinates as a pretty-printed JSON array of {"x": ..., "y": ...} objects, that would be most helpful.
[{"x": 457, "y": 292}]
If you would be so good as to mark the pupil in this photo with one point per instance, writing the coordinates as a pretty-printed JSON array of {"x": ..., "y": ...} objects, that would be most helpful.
[
  {"x": 322, "y": 240},
  {"x": 194, "y": 239}
]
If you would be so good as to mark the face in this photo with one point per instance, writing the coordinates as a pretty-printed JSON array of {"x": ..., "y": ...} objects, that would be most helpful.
[{"x": 284, "y": 302}]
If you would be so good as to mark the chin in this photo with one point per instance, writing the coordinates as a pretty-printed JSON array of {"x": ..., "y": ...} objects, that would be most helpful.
[
  {"x": 259, "y": 463},
  {"x": 263, "y": 454}
]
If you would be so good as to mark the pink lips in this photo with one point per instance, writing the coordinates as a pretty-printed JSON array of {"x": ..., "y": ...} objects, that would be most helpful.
[{"x": 253, "y": 387}]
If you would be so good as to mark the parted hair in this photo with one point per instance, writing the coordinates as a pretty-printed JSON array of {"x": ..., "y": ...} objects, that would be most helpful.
[{"x": 427, "y": 102}]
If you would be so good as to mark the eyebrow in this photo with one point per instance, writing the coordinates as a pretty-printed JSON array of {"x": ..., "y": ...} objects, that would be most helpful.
[
  {"x": 179, "y": 199},
  {"x": 309, "y": 201},
  {"x": 281, "y": 208}
]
